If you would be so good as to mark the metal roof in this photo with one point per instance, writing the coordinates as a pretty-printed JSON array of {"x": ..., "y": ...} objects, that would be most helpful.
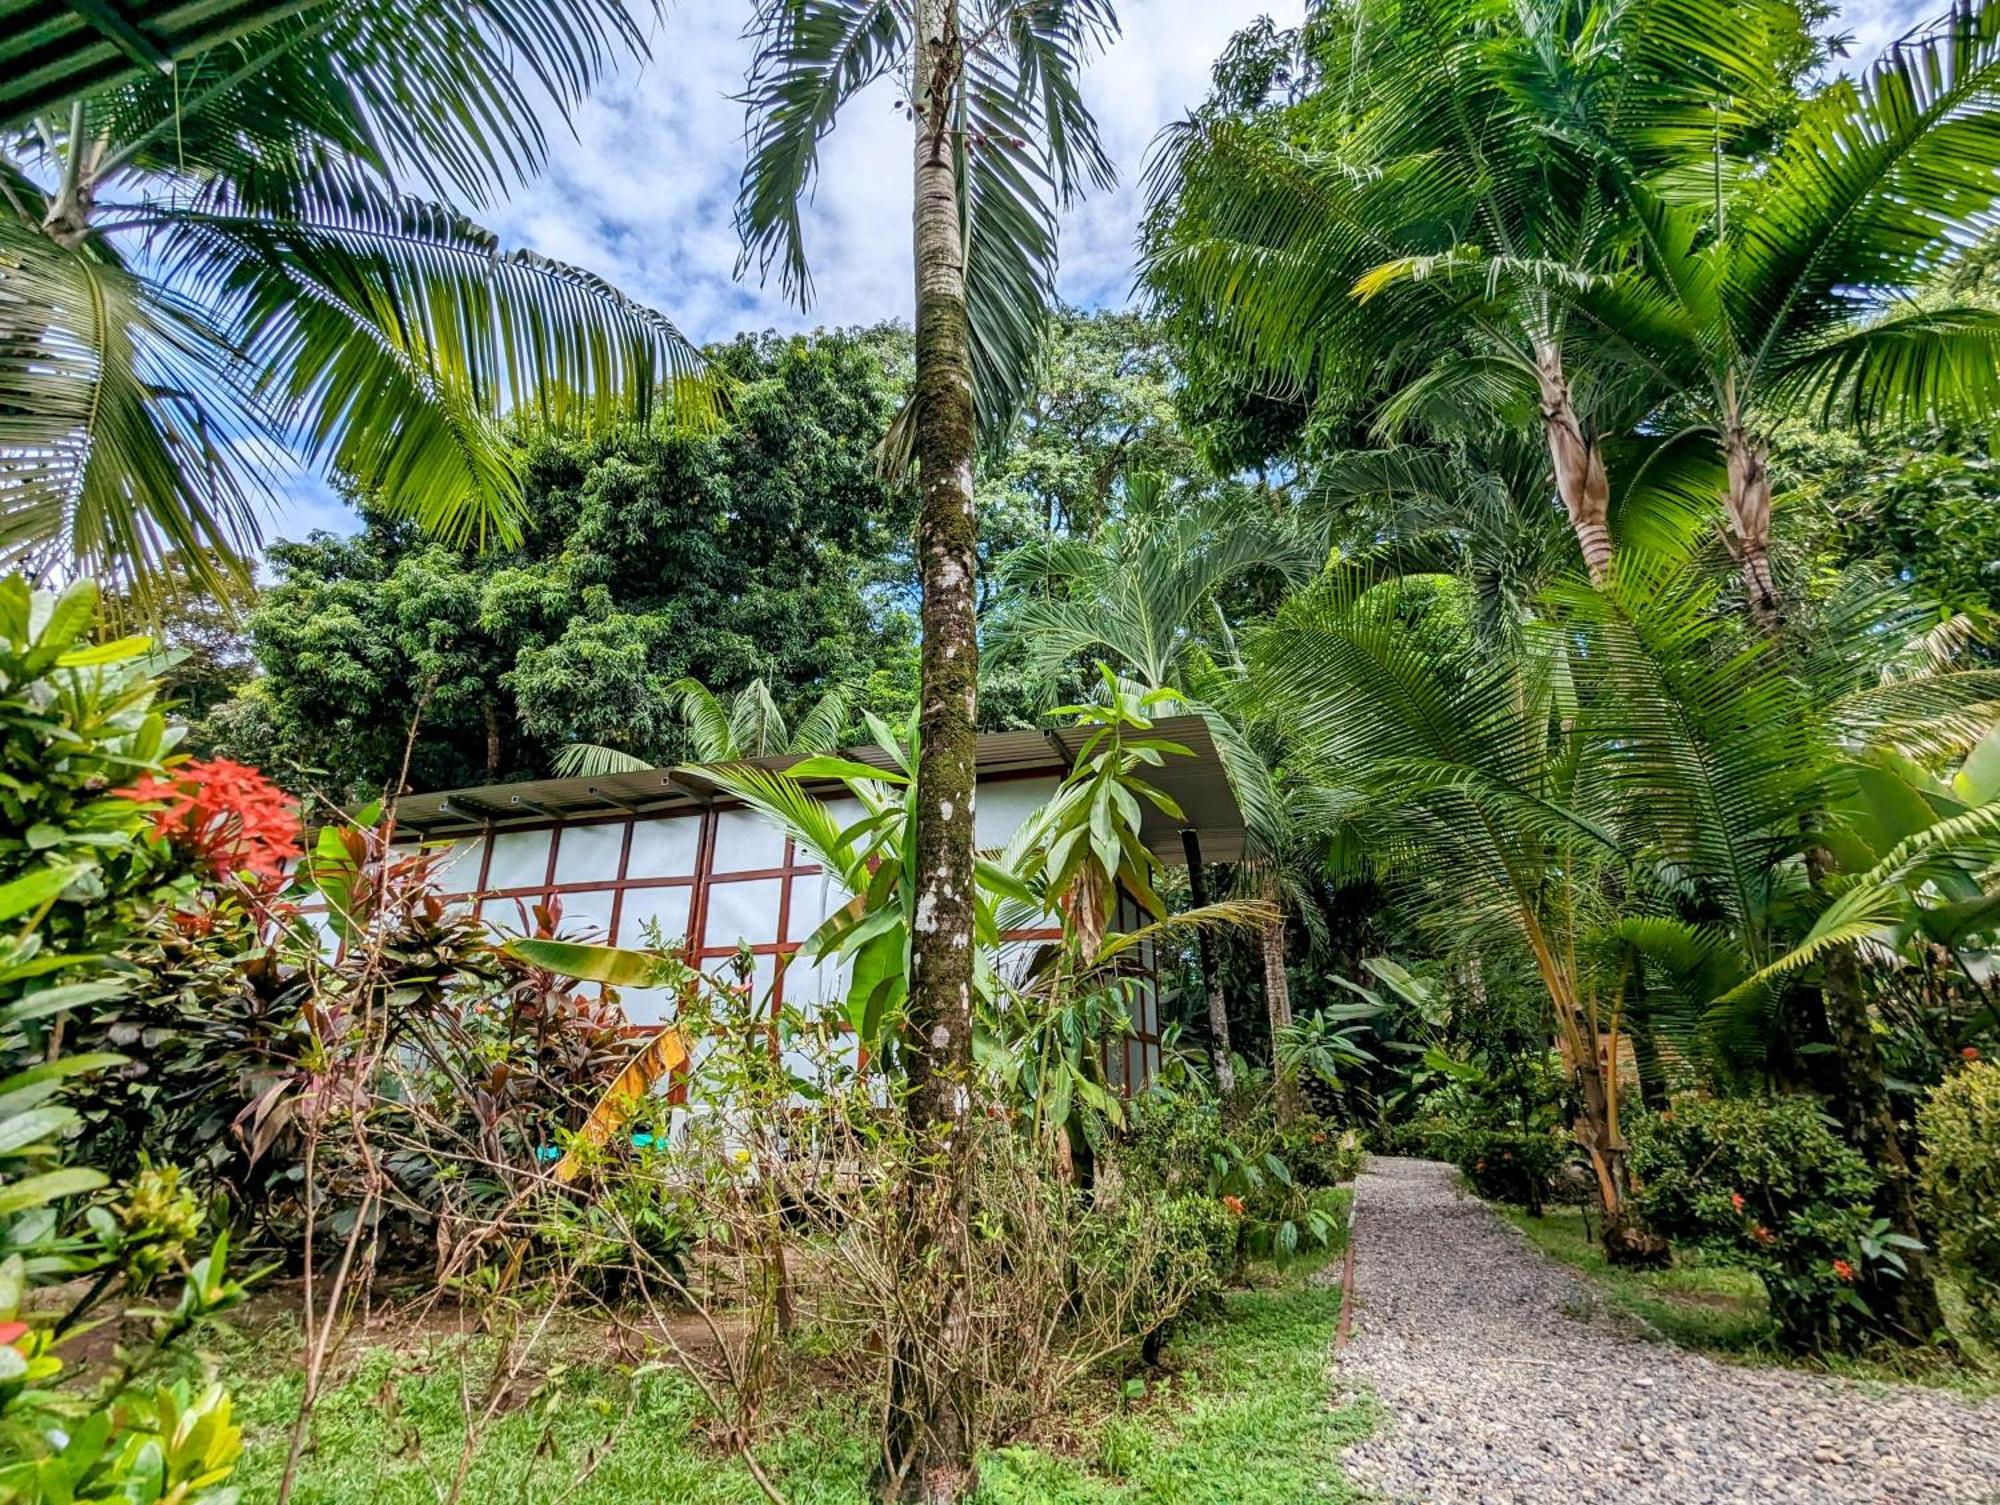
[
  {"x": 1197, "y": 784},
  {"x": 53, "y": 51}
]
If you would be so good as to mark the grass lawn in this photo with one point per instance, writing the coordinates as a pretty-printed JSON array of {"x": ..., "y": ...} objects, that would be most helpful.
[
  {"x": 1239, "y": 1412},
  {"x": 1720, "y": 1311}
]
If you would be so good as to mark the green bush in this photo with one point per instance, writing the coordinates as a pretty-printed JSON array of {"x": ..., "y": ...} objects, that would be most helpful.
[
  {"x": 629, "y": 1235},
  {"x": 1959, "y": 1126},
  {"x": 1178, "y": 1145},
  {"x": 1503, "y": 1164},
  {"x": 1767, "y": 1185},
  {"x": 1319, "y": 1153},
  {"x": 78, "y": 724}
]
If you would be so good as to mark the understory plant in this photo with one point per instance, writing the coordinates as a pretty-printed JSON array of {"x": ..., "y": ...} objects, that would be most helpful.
[
  {"x": 1768, "y": 1185},
  {"x": 1959, "y": 1125}
]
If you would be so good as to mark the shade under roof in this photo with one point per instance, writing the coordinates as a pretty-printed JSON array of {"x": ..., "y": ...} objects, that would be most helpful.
[
  {"x": 53, "y": 51},
  {"x": 1197, "y": 784}
]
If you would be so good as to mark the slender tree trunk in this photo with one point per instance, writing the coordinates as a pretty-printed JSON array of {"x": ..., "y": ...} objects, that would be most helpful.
[
  {"x": 1749, "y": 504},
  {"x": 492, "y": 740},
  {"x": 1579, "y": 465},
  {"x": 1218, "y": 1008},
  {"x": 1278, "y": 1000},
  {"x": 927, "y": 1442}
]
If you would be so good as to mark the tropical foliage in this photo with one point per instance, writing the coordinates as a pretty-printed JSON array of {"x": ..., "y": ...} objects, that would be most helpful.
[{"x": 229, "y": 260}]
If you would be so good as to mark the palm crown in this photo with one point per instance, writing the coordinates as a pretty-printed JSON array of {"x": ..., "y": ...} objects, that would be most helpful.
[{"x": 209, "y": 268}]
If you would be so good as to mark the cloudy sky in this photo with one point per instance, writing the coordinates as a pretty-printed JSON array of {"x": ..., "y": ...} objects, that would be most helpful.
[{"x": 643, "y": 190}]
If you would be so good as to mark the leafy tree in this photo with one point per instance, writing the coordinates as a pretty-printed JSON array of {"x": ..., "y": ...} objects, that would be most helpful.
[
  {"x": 769, "y": 547},
  {"x": 1000, "y": 139},
  {"x": 1404, "y": 240},
  {"x": 1102, "y": 408},
  {"x": 207, "y": 264},
  {"x": 1787, "y": 290}
]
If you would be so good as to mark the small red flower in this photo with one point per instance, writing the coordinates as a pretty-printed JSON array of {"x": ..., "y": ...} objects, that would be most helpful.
[
  {"x": 1843, "y": 1269},
  {"x": 1761, "y": 1234},
  {"x": 228, "y": 816},
  {"x": 12, "y": 1332},
  {"x": 1971, "y": 1052},
  {"x": 1736, "y": 1200},
  {"x": 1234, "y": 1204}
]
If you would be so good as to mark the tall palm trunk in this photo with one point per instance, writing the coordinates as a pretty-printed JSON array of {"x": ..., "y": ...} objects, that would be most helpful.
[
  {"x": 1278, "y": 1001},
  {"x": 1597, "y": 1129},
  {"x": 927, "y": 1434},
  {"x": 1749, "y": 503},
  {"x": 1579, "y": 464}
]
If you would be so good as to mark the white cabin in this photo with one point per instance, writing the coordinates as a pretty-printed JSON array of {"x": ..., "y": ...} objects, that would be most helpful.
[{"x": 667, "y": 848}]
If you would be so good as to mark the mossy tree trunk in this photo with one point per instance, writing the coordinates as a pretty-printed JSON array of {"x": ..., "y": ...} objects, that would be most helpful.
[{"x": 927, "y": 1434}]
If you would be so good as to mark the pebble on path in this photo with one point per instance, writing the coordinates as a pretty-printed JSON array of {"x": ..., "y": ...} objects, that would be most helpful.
[{"x": 1500, "y": 1382}]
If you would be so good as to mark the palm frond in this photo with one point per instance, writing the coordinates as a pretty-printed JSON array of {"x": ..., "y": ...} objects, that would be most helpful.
[
  {"x": 1911, "y": 367},
  {"x": 708, "y": 724},
  {"x": 129, "y": 437},
  {"x": 390, "y": 336},
  {"x": 593, "y": 760},
  {"x": 812, "y": 57}
]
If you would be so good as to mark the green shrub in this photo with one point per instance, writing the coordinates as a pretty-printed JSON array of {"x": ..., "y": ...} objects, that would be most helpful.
[
  {"x": 1767, "y": 1185},
  {"x": 629, "y": 1235},
  {"x": 1183, "y": 1146},
  {"x": 1318, "y": 1153},
  {"x": 78, "y": 724},
  {"x": 1960, "y": 1129},
  {"x": 1503, "y": 1164}
]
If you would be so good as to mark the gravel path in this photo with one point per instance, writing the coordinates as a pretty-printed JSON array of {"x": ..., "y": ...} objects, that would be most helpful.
[{"x": 1503, "y": 1383}]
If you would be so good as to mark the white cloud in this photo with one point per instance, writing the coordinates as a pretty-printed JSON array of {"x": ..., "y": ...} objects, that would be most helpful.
[{"x": 645, "y": 192}]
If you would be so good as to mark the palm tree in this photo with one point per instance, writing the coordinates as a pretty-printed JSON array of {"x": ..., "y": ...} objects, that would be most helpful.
[
  {"x": 1739, "y": 775},
  {"x": 207, "y": 269},
  {"x": 1763, "y": 293},
  {"x": 1419, "y": 227},
  {"x": 1478, "y": 793},
  {"x": 1142, "y": 594},
  {"x": 748, "y": 724},
  {"x": 1000, "y": 138}
]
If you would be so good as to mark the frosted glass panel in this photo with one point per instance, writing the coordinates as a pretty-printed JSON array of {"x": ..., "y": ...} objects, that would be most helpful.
[
  {"x": 586, "y": 916},
  {"x": 664, "y": 848},
  {"x": 669, "y": 906},
  {"x": 458, "y": 865},
  {"x": 743, "y": 912},
  {"x": 1000, "y": 808},
  {"x": 745, "y": 842},
  {"x": 813, "y": 898},
  {"x": 647, "y": 1006},
  {"x": 520, "y": 860},
  {"x": 589, "y": 854},
  {"x": 813, "y": 985}
]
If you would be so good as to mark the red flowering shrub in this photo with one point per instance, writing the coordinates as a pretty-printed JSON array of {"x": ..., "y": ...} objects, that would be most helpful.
[
  {"x": 1767, "y": 1185},
  {"x": 228, "y": 817}
]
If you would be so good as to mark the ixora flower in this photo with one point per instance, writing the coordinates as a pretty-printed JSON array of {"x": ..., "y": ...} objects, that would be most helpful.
[
  {"x": 226, "y": 815},
  {"x": 1761, "y": 1234},
  {"x": 1234, "y": 1204},
  {"x": 1970, "y": 1053},
  {"x": 1736, "y": 1200},
  {"x": 1843, "y": 1269}
]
